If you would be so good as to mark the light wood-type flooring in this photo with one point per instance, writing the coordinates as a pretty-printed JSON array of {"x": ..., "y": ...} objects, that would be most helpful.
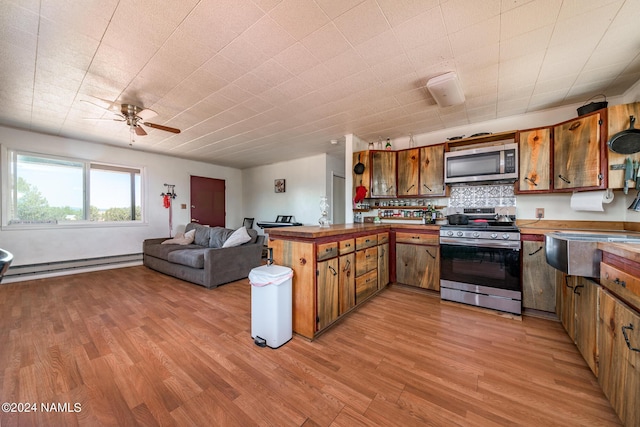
[{"x": 134, "y": 347}]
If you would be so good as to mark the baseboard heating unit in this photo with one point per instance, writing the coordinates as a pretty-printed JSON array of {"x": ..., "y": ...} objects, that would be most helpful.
[{"x": 59, "y": 268}]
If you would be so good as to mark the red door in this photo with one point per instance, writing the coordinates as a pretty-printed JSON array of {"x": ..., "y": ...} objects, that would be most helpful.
[{"x": 207, "y": 201}]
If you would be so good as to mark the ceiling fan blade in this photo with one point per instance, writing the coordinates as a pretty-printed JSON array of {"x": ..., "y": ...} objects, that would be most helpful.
[
  {"x": 146, "y": 114},
  {"x": 119, "y": 119},
  {"x": 140, "y": 131},
  {"x": 109, "y": 108},
  {"x": 165, "y": 128}
]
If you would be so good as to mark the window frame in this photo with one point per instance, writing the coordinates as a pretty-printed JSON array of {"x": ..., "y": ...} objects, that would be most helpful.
[{"x": 9, "y": 157}]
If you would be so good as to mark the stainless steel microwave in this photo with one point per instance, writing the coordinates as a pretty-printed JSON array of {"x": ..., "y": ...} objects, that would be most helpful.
[{"x": 494, "y": 163}]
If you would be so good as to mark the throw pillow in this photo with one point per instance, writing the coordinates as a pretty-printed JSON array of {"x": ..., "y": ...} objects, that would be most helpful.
[
  {"x": 181, "y": 239},
  {"x": 237, "y": 238}
]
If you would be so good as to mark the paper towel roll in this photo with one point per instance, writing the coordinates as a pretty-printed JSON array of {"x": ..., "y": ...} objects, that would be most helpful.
[{"x": 591, "y": 200}]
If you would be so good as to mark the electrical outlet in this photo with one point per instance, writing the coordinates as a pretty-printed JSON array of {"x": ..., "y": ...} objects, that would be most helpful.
[{"x": 539, "y": 213}]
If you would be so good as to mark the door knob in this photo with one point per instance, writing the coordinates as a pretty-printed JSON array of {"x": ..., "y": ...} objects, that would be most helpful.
[
  {"x": 194, "y": 220},
  {"x": 193, "y": 207}
]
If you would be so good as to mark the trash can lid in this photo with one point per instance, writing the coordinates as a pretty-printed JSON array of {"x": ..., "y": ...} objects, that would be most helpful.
[{"x": 270, "y": 275}]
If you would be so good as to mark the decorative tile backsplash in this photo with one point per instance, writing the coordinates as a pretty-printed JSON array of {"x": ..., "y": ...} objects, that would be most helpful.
[{"x": 479, "y": 196}]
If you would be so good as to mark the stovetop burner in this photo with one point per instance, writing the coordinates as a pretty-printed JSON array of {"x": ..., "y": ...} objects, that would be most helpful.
[{"x": 484, "y": 226}]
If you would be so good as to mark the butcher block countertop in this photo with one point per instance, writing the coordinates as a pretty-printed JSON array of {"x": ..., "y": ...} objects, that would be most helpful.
[
  {"x": 630, "y": 251},
  {"x": 315, "y": 232}
]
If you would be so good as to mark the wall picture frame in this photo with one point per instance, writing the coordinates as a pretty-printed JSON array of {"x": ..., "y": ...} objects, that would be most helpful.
[{"x": 279, "y": 186}]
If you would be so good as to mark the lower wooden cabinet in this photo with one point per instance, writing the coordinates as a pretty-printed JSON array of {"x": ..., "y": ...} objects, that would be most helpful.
[
  {"x": 418, "y": 265},
  {"x": 346, "y": 282},
  {"x": 619, "y": 357},
  {"x": 585, "y": 295},
  {"x": 383, "y": 265},
  {"x": 565, "y": 303},
  {"x": 366, "y": 285},
  {"x": 538, "y": 277},
  {"x": 327, "y": 293}
]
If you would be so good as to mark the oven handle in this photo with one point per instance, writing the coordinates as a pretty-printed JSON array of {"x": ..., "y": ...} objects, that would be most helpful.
[{"x": 500, "y": 244}]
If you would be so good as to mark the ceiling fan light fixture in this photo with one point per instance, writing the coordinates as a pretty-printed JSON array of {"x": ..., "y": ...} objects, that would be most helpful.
[{"x": 446, "y": 89}]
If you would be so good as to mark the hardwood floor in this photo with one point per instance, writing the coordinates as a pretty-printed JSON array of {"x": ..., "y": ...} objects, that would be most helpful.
[{"x": 135, "y": 347}]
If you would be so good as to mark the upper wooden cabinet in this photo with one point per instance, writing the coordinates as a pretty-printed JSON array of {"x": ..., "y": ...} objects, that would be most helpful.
[
  {"x": 408, "y": 168},
  {"x": 535, "y": 160},
  {"x": 577, "y": 159},
  {"x": 364, "y": 178},
  {"x": 383, "y": 174},
  {"x": 618, "y": 120},
  {"x": 432, "y": 171}
]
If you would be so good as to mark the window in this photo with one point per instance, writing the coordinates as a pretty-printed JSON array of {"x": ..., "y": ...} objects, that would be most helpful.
[{"x": 53, "y": 190}]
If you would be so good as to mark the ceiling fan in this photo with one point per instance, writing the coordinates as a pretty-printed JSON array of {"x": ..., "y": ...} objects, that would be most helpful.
[{"x": 134, "y": 116}]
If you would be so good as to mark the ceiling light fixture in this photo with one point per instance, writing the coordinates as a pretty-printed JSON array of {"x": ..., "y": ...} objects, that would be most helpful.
[
  {"x": 446, "y": 89},
  {"x": 334, "y": 142}
]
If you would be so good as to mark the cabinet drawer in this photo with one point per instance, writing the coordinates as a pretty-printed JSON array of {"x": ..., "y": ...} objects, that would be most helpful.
[
  {"x": 346, "y": 246},
  {"x": 366, "y": 241},
  {"x": 327, "y": 250},
  {"x": 366, "y": 285},
  {"x": 621, "y": 283},
  {"x": 418, "y": 238},
  {"x": 366, "y": 260},
  {"x": 383, "y": 238}
]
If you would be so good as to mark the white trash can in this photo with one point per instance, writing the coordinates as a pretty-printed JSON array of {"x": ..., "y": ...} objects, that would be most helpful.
[{"x": 271, "y": 305}]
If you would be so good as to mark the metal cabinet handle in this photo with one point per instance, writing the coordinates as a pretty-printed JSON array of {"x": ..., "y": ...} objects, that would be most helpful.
[
  {"x": 620, "y": 282},
  {"x": 574, "y": 126},
  {"x": 430, "y": 254},
  {"x": 333, "y": 271},
  {"x": 626, "y": 337},
  {"x": 564, "y": 179},
  {"x": 566, "y": 282},
  {"x": 428, "y": 189},
  {"x": 531, "y": 180},
  {"x": 575, "y": 289},
  {"x": 536, "y": 251},
  {"x": 407, "y": 190},
  {"x": 347, "y": 266}
]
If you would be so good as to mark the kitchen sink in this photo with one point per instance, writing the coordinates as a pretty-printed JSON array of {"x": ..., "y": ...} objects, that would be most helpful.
[{"x": 577, "y": 254}]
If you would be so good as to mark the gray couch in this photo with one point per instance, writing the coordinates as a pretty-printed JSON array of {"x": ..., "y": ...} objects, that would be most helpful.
[{"x": 205, "y": 261}]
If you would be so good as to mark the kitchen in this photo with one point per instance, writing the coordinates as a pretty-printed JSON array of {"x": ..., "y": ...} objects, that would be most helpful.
[{"x": 412, "y": 253}]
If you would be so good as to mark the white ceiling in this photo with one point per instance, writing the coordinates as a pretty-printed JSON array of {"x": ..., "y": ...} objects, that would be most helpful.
[{"x": 253, "y": 82}]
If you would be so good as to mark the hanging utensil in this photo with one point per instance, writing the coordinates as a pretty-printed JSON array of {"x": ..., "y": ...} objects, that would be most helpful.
[
  {"x": 628, "y": 174},
  {"x": 626, "y": 141},
  {"x": 359, "y": 167}
]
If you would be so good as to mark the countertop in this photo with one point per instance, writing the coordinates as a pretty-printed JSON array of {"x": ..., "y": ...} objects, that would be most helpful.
[
  {"x": 314, "y": 232},
  {"x": 630, "y": 251}
]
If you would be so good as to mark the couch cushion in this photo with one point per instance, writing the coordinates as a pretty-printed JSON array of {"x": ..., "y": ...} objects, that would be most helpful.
[
  {"x": 162, "y": 251},
  {"x": 182, "y": 238},
  {"x": 237, "y": 238},
  {"x": 218, "y": 235},
  {"x": 202, "y": 235},
  {"x": 189, "y": 257}
]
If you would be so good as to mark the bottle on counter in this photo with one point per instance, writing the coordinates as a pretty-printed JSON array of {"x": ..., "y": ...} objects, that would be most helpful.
[{"x": 388, "y": 145}]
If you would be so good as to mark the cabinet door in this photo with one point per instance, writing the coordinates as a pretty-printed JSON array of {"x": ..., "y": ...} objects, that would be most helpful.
[
  {"x": 366, "y": 260},
  {"x": 383, "y": 265},
  {"x": 565, "y": 301},
  {"x": 576, "y": 154},
  {"x": 617, "y": 121},
  {"x": 383, "y": 174},
  {"x": 538, "y": 278},
  {"x": 619, "y": 357},
  {"x": 327, "y": 292},
  {"x": 346, "y": 283},
  {"x": 535, "y": 160},
  {"x": 408, "y": 166},
  {"x": 418, "y": 265},
  {"x": 586, "y": 315},
  {"x": 432, "y": 171}
]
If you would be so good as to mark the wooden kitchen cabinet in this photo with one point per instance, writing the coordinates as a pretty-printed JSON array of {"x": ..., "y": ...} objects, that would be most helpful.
[
  {"x": 383, "y": 260},
  {"x": 535, "y": 161},
  {"x": 418, "y": 260},
  {"x": 327, "y": 292},
  {"x": 408, "y": 169},
  {"x": 577, "y": 154},
  {"x": 432, "y": 171},
  {"x": 619, "y": 357},
  {"x": 565, "y": 302},
  {"x": 383, "y": 174},
  {"x": 538, "y": 277},
  {"x": 346, "y": 276},
  {"x": 617, "y": 121},
  {"x": 366, "y": 266},
  {"x": 586, "y": 294}
]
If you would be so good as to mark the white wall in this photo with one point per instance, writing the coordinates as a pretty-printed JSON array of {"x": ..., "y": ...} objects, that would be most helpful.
[
  {"x": 306, "y": 181},
  {"x": 50, "y": 244}
]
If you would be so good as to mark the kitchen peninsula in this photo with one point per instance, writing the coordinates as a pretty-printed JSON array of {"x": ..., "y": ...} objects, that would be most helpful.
[{"x": 336, "y": 268}]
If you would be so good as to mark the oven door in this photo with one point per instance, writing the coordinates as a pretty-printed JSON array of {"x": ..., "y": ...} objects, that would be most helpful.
[{"x": 493, "y": 264}]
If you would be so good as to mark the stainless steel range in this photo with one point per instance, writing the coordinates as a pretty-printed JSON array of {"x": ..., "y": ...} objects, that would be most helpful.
[{"x": 480, "y": 261}]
